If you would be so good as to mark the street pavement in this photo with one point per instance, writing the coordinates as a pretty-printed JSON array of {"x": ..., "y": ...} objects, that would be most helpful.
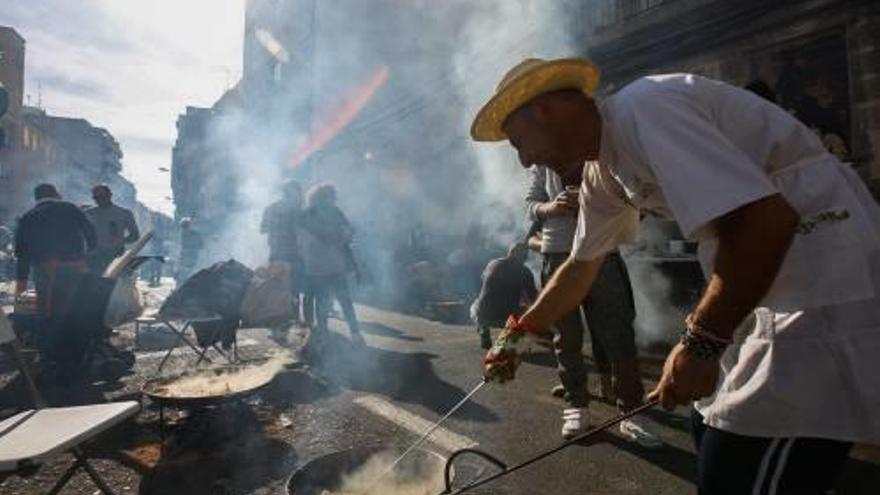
[
  {"x": 340, "y": 396},
  {"x": 424, "y": 368}
]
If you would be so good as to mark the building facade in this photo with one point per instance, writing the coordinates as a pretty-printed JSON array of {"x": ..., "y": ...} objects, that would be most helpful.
[
  {"x": 820, "y": 59},
  {"x": 37, "y": 147}
]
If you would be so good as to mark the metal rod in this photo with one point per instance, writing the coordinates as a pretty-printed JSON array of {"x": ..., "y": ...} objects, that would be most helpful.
[
  {"x": 583, "y": 436},
  {"x": 425, "y": 435}
]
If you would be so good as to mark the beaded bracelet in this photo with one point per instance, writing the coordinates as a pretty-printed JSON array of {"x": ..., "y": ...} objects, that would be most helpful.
[{"x": 703, "y": 344}]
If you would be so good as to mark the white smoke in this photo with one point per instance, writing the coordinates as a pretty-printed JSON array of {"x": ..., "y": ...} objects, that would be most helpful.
[{"x": 498, "y": 35}]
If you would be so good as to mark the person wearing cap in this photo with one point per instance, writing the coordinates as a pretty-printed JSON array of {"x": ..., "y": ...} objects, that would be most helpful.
[
  {"x": 609, "y": 311},
  {"x": 115, "y": 227},
  {"x": 789, "y": 238}
]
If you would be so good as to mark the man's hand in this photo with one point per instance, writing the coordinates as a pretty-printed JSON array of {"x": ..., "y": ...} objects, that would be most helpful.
[
  {"x": 20, "y": 288},
  {"x": 502, "y": 360},
  {"x": 686, "y": 378},
  {"x": 565, "y": 205}
]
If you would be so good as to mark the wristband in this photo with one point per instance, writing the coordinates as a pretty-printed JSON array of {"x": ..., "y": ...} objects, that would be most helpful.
[
  {"x": 516, "y": 325},
  {"x": 695, "y": 328},
  {"x": 702, "y": 347}
]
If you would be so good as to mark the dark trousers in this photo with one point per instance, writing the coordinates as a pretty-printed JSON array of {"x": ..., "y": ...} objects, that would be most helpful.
[
  {"x": 731, "y": 464},
  {"x": 610, "y": 312},
  {"x": 325, "y": 288}
]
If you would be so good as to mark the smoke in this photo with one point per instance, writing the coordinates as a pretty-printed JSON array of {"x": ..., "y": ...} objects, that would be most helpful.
[
  {"x": 658, "y": 318},
  {"x": 424, "y": 478},
  {"x": 398, "y": 151},
  {"x": 497, "y": 36}
]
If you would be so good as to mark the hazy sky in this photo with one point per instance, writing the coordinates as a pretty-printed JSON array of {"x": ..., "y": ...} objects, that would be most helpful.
[{"x": 131, "y": 66}]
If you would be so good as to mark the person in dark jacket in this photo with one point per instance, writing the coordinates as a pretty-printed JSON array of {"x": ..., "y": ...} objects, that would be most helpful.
[
  {"x": 51, "y": 242},
  {"x": 508, "y": 285},
  {"x": 329, "y": 261}
]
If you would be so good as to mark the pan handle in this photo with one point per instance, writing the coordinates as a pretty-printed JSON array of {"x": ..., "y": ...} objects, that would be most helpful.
[{"x": 447, "y": 472}]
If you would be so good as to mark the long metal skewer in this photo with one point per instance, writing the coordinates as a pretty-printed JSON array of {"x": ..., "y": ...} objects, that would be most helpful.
[
  {"x": 425, "y": 435},
  {"x": 583, "y": 436}
]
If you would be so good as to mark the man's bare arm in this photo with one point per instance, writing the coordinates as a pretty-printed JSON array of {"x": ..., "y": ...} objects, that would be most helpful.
[
  {"x": 565, "y": 290},
  {"x": 752, "y": 243}
]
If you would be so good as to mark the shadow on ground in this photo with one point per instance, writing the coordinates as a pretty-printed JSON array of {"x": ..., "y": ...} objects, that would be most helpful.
[
  {"x": 228, "y": 449},
  {"x": 372, "y": 328},
  {"x": 400, "y": 376}
]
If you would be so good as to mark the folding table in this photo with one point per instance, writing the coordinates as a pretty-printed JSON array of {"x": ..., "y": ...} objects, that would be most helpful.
[
  {"x": 174, "y": 326},
  {"x": 31, "y": 437}
]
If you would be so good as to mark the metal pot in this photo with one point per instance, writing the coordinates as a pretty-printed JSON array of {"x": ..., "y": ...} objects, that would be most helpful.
[{"x": 326, "y": 472}]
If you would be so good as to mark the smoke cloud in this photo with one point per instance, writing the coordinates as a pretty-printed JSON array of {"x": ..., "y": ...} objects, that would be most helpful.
[
  {"x": 378, "y": 98},
  {"x": 310, "y": 107}
]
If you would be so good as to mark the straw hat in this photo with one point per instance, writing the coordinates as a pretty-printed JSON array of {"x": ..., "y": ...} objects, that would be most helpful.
[{"x": 527, "y": 80}]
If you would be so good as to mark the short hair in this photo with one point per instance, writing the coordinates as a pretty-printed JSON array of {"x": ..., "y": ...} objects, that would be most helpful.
[
  {"x": 320, "y": 194},
  {"x": 44, "y": 191},
  {"x": 102, "y": 187}
]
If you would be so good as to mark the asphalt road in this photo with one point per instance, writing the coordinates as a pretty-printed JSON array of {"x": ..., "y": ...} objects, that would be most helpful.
[
  {"x": 423, "y": 368},
  {"x": 411, "y": 372}
]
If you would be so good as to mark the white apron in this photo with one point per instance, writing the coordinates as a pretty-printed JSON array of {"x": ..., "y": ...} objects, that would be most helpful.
[{"x": 808, "y": 363}]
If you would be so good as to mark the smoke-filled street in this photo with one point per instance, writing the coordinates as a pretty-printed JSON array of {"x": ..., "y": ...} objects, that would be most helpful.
[
  {"x": 425, "y": 247},
  {"x": 388, "y": 394}
]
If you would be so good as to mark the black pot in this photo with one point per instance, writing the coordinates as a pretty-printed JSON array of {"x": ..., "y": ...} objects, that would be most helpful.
[{"x": 326, "y": 472}]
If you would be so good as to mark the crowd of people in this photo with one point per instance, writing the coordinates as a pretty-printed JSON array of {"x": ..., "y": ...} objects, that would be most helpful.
[{"x": 778, "y": 357}]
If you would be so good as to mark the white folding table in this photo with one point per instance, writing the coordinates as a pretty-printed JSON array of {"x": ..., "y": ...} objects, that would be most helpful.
[{"x": 30, "y": 437}]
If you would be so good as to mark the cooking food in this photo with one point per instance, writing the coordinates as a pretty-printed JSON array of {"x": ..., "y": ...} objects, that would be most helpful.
[
  {"x": 220, "y": 381},
  {"x": 415, "y": 481}
]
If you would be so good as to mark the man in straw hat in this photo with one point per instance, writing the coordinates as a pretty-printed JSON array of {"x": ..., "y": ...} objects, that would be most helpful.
[{"x": 787, "y": 234}]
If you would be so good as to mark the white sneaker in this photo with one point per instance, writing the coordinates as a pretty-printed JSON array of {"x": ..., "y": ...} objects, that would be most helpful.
[
  {"x": 575, "y": 422},
  {"x": 638, "y": 430}
]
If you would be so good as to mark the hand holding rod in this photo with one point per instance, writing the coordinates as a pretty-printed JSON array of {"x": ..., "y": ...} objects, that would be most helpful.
[{"x": 583, "y": 436}]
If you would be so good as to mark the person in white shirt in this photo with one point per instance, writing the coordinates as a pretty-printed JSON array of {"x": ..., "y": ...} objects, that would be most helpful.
[{"x": 788, "y": 235}]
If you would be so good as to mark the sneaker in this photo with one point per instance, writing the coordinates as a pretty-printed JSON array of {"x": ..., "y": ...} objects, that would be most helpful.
[
  {"x": 638, "y": 430},
  {"x": 575, "y": 422},
  {"x": 558, "y": 391}
]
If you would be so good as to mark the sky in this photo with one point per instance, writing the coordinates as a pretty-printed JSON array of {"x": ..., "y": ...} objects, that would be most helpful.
[{"x": 131, "y": 66}]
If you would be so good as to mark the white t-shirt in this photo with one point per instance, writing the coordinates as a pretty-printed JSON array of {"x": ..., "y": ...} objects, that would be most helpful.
[{"x": 694, "y": 149}]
